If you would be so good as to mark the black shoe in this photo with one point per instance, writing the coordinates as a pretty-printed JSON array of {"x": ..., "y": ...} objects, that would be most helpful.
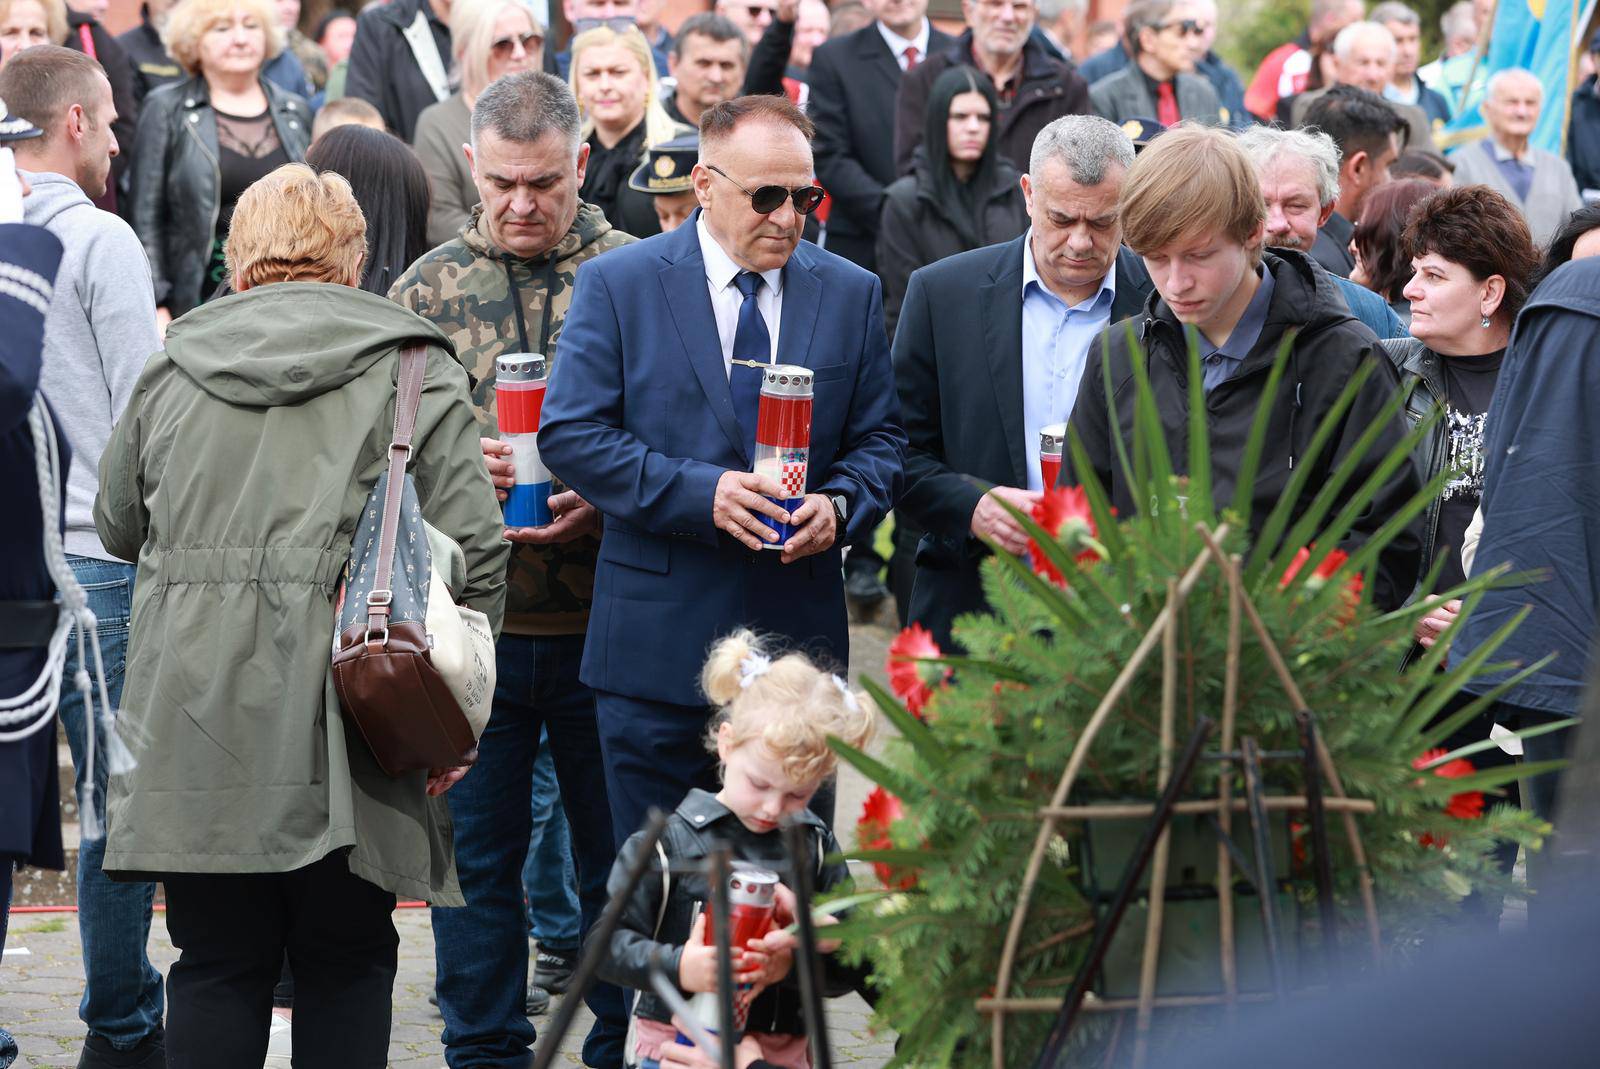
[
  {"x": 98, "y": 1053},
  {"x": 553, "y": 969},
  {"x": 538, "y": 1000},
  {"x": 864, "y": 592}
]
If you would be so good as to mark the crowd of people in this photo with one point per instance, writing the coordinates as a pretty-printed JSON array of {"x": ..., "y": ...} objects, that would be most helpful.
[{"x": 248, "y": 221}]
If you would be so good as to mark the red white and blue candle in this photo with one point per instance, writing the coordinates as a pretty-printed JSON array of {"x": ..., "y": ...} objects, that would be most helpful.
[
  {"x": 783, "y": 439},
  {"x": 519, "y": 383},
  {"x": 1052, "y": 443}
]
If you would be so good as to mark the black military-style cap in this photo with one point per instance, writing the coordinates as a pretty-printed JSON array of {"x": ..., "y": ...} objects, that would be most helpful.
[
  {"x": 666, "y": 167},
  {"x": 1142, "y": 131},
  {"x": 15, "y": 127}
]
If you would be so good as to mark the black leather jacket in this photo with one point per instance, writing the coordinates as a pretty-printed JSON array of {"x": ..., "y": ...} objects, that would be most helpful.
[
  {"x": 700, "y": 824},
  {"x": 177, "y": 181},
  {"x": 1422, "y": 377}
]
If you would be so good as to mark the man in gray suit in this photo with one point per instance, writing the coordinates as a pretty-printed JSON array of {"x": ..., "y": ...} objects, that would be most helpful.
[
  {"x": 1167, "y": 37},
  {"x": 1364, "y": 56},
  {"x": 1538, "y": 182}
]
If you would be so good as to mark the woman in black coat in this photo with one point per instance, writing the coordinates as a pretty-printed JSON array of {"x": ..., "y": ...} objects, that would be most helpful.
[
  {"x": 201, "y": 142},
  {"x": 960, "y": 195}
]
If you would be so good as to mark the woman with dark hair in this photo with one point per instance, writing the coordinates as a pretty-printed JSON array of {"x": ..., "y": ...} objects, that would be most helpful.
[
  {"x": 1474, "y": 261},
  {"x": 1382, "y": 263},
  {"x": 390, "y": 185},
  {"x": 961, "y": 193}
]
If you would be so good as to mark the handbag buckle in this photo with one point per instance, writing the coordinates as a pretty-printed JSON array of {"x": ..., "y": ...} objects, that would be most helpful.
[
  {"x": 381, "y": 640},
  {"x": 380, "y": 598}
]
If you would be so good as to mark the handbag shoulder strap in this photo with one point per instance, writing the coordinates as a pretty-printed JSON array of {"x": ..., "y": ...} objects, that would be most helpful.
[{"x": 408, "y": 394}]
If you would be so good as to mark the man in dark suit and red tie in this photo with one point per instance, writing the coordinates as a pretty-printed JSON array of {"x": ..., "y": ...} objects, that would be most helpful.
[{"x": 651, "y": 417}]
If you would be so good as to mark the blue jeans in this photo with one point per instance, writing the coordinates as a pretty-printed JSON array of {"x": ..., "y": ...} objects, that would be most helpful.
[
  {"x": 549, "y": 879},
  {"x": 481, "y": 949},
  {"x": 122, "y": 994}
]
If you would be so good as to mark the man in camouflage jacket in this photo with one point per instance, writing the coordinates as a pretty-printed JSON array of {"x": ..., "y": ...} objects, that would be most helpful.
[{"x": 503, "y": 286}]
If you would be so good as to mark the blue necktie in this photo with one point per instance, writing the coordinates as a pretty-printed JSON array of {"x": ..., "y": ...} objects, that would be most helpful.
[{"x": 751, "y": 342}]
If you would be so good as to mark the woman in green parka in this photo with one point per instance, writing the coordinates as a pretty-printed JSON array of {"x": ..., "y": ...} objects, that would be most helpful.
[{"x": 235, "y": 478}]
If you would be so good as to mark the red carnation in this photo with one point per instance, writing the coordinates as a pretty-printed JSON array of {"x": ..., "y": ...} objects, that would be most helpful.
[
  {"x": 1468, "y": 805},
  {"x": 913, "y": 668},
  {"x": 1320, "y": 576},
  {"x": 880, "y": 810},
  {"x": 1064, "y": 512}
]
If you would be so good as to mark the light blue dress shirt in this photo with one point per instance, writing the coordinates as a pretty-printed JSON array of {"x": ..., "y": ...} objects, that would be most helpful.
[
  {"x": 1219, "y": 363},
  {"x": 1055, "y": 348}
]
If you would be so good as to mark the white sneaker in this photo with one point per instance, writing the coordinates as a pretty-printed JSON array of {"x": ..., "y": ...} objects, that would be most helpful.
[{"x": 280, "y": 1052}]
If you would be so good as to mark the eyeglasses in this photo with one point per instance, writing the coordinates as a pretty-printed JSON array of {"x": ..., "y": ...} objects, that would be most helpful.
[
  {"x": 1188, "y": 27},
  {"x": 505, "y": 46},
  {"x": 769, "y": 199},
  {"x": 615, "y": 23}
]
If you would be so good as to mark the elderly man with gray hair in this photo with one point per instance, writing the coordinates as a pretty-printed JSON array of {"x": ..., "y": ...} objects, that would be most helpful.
[
  {"x": 989, "y": 350},
  {"x": 1405, "y": 87},
  {"x": 503, "y": 286},
  {"x": 1364, "y": 55},
  {"x": 1299, "y": 172},
  {"x": 1538, "y": 182}
]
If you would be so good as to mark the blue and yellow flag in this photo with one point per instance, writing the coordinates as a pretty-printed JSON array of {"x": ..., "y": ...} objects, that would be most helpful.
[{"x": 1537, "y": 35}]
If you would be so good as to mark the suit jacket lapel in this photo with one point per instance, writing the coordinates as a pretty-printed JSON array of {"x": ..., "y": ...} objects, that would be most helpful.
[
  {"x": 683, "y": 281},
  {"x": 1001, "y": 304},
  {"x": 802, "y": 300},
  {"x": 875, "y": 51}
]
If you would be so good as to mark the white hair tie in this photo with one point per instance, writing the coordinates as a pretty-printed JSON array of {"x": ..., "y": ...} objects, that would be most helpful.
[
  {"x": 752, "y": 668},
  {"x": 850, "y": 702}
]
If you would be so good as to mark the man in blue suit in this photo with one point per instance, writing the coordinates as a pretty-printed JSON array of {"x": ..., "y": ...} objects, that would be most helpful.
[{"x": 651, "y": 417}]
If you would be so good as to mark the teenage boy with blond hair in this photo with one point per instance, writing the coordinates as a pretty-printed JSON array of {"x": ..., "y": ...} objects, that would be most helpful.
[{"x": 1191, "y": 207}]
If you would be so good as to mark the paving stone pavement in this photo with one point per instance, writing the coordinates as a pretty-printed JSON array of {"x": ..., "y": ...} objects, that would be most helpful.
[
  {"x": 39, "y": 999},
  {"x": 41, "y": 976}
]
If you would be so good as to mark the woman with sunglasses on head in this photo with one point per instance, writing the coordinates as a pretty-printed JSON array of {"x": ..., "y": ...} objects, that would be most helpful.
[
  {"x": 960, "y": 194},
  {"x": 489, "y": 38},
  {"x": 614, "y": 78}
]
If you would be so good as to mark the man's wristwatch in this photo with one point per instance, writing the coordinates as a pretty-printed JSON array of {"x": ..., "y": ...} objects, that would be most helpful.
[{"x": 841, "y": 508}]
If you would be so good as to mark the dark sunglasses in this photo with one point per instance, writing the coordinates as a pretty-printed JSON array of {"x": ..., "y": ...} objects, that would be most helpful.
[
  {"x": 530, "y": 40},
  {"x": 1189, "y": 27},
  {"x": 769, "y": 199}
]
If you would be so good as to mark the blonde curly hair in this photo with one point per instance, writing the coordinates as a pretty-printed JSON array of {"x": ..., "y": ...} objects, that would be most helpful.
[{"x": 787, "y": 703}]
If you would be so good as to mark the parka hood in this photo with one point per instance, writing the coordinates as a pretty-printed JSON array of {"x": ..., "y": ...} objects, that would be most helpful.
[
  {"x": 588, "y": 227},
  {"x": 290, "y": 341}
]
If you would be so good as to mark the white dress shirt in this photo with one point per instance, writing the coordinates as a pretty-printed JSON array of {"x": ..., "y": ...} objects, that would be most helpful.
[
  {"x": 726, "y": 298},
  {"x": 898, "y": 44},
  {"x": 1055, "y": 350}
]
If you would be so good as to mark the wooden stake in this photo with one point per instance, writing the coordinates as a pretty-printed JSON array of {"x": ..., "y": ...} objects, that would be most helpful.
[{"x": 1157, "y": 899}]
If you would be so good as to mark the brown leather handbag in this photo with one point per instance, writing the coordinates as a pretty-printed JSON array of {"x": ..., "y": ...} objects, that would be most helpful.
[{"x": 382, "y": 668}]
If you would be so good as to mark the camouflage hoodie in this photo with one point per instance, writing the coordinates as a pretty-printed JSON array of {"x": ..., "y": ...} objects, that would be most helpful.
[{"x": 471, "y": 290}]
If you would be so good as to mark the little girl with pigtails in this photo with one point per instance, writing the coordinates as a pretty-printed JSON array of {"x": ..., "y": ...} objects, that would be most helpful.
[{"x": 774, "y": 717}]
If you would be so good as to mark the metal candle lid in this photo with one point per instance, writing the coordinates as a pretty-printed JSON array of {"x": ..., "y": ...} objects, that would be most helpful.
[
  {"x": 1052, "y": 438},
  {"x": 786, "y": 380},
  {"x": 753, "y": 886},
  {"x": 520, "y": 367}
]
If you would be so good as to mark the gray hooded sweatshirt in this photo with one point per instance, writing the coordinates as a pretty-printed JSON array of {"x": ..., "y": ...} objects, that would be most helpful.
[{"x": 99, "y": 332}]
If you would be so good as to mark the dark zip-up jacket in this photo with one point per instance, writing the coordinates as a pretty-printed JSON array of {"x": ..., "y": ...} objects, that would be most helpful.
[
  {"x": 1329, "y": 346},
  {"x": 1046, "y": 89},
  {"x": 698, "y": 826},
  {"x": 177, "y": 181},
  {"x": 153, "y": 65},
  {"x": 1583, "y": 138}
]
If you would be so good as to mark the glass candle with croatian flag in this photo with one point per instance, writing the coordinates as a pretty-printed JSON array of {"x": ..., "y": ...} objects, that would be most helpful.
[
  {"x": 752, "y": 902},
  {"x": 783, "y": 439},
  {"x": 1052, "y": 441},
  {"x": 519, "y": 382}
]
